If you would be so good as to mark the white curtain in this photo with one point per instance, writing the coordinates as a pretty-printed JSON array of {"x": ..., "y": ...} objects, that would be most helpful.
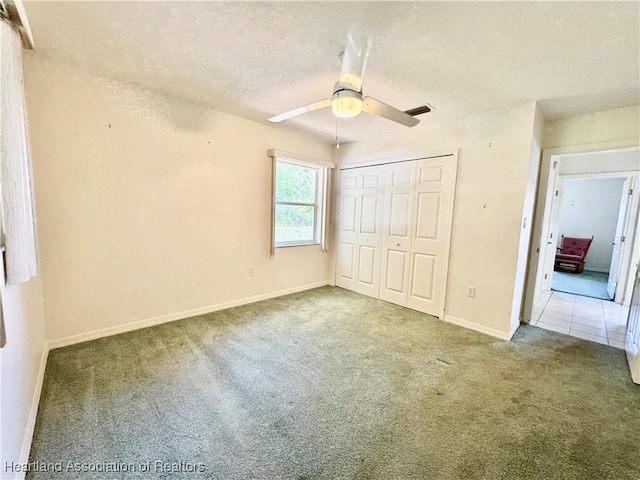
[{"x": 18, "y": 220}]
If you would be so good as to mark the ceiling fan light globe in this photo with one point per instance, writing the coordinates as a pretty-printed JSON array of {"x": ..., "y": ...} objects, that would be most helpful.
[{"x": 346, "y": 104}]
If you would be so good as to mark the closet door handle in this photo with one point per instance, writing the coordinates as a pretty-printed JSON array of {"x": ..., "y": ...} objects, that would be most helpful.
[{"x": 398, "y": 244}]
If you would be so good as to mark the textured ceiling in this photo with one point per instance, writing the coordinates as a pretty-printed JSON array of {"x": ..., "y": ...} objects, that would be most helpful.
[{"x": 256, "y": 59}]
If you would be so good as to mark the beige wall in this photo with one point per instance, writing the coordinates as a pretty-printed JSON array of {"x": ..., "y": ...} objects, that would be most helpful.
[
  {"x": 149, "y": 206},
  {"x": 606, "y": 126},
  {"x": 21, "y": 361},
  {"x": 494, "y": 156}
]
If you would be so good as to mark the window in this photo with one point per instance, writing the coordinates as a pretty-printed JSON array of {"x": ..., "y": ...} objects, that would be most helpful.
[
  {"x": 299, "y": 191},
  {"x": 299, "y": 203}
]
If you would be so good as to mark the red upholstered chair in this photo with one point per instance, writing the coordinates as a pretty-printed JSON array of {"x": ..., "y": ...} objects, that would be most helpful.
[{"x": 571, "y": 254}]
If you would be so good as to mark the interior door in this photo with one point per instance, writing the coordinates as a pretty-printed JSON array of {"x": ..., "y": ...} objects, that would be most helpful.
[
  {"x": 553, "y": 234},
  {"x": 619, "y": 239},
  {"x": 359, "y": 229},
  {"x": 632, "y": 344},
  {"x": 397, "y": 231},
  {"x": 433, "y": 214}
]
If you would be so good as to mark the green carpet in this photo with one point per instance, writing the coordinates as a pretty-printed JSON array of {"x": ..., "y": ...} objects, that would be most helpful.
[
  {"x": 329, "y": 384},
  {"x": 587, "y": 284}
]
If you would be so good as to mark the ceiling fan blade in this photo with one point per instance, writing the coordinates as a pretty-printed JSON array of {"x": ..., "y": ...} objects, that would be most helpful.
[
  {"x": 299, "y": 111},
  {"x": 376, "y": 107},
  {"x": 354, "y": 61}
]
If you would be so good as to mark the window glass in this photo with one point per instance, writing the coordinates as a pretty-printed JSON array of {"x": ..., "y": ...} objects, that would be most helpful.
[
  {"x": 295, "y": 223},
  {"x": 295, "y": 183},
  {"x": 297, "y": 204}
]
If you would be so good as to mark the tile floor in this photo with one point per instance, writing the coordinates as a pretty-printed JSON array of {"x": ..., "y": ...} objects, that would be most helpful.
[{"x": 588, "y": 318}]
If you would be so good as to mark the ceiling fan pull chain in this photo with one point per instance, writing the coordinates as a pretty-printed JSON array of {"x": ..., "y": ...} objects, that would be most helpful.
[{"x": 337, "y": 133}]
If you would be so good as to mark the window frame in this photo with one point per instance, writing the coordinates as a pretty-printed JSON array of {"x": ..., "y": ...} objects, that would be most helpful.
[
  {"x": 326, "y": 188},
  {"x": 318, "y": 214}
]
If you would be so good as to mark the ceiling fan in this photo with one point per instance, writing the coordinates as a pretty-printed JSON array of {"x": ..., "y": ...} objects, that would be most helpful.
[{"x": 347, "y": 100}]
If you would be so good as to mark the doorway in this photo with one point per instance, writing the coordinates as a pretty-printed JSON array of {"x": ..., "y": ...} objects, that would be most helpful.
[
  {"x": 592, "y": 215},
  {"x": 588, "y": 197}
]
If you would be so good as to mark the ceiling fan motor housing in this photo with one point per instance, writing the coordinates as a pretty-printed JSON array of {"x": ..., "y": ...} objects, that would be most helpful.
[{"x": 345, "y": 102}]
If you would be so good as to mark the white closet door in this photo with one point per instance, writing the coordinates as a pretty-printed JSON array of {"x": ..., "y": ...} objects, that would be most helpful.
[
  {"x": 433, "y": 204},
  {"x": 359, "y": 229},
  {"x": 397, "y": 231},
  {"x": 348, "y": 206}
]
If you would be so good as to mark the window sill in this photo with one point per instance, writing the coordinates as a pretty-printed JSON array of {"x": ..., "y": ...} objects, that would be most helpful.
[{"x": 288, "y": 245}]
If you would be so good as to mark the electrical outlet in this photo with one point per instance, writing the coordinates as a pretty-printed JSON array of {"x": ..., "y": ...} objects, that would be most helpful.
[
  {"x": 252, "y": 271},
  {"x": 471, "y": 291}
]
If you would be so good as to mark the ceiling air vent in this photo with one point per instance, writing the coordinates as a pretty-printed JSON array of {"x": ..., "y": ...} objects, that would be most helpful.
[{"x": 418, "y": 110}]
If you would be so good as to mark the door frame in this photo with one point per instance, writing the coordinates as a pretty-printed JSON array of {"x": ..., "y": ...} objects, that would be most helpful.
[
  {"x": 454, "y": 153},
  {"x": 542, "y": 212}
]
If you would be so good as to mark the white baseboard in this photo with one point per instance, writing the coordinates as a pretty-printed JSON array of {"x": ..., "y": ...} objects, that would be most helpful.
[
  {"x": 479, "y": 328},
  {"x": 598, "y": 270},
  {"x": 33, "y": 412},
  {"x": 149, "y": 322}
]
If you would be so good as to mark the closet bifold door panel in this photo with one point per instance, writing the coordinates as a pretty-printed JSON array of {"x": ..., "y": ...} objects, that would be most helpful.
[
  {"x": 394, "y": 231},
  {"x": 431, "y": 231},
  {"x": 359, "y": 229},
  {"x": 397, "y": 231}
]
